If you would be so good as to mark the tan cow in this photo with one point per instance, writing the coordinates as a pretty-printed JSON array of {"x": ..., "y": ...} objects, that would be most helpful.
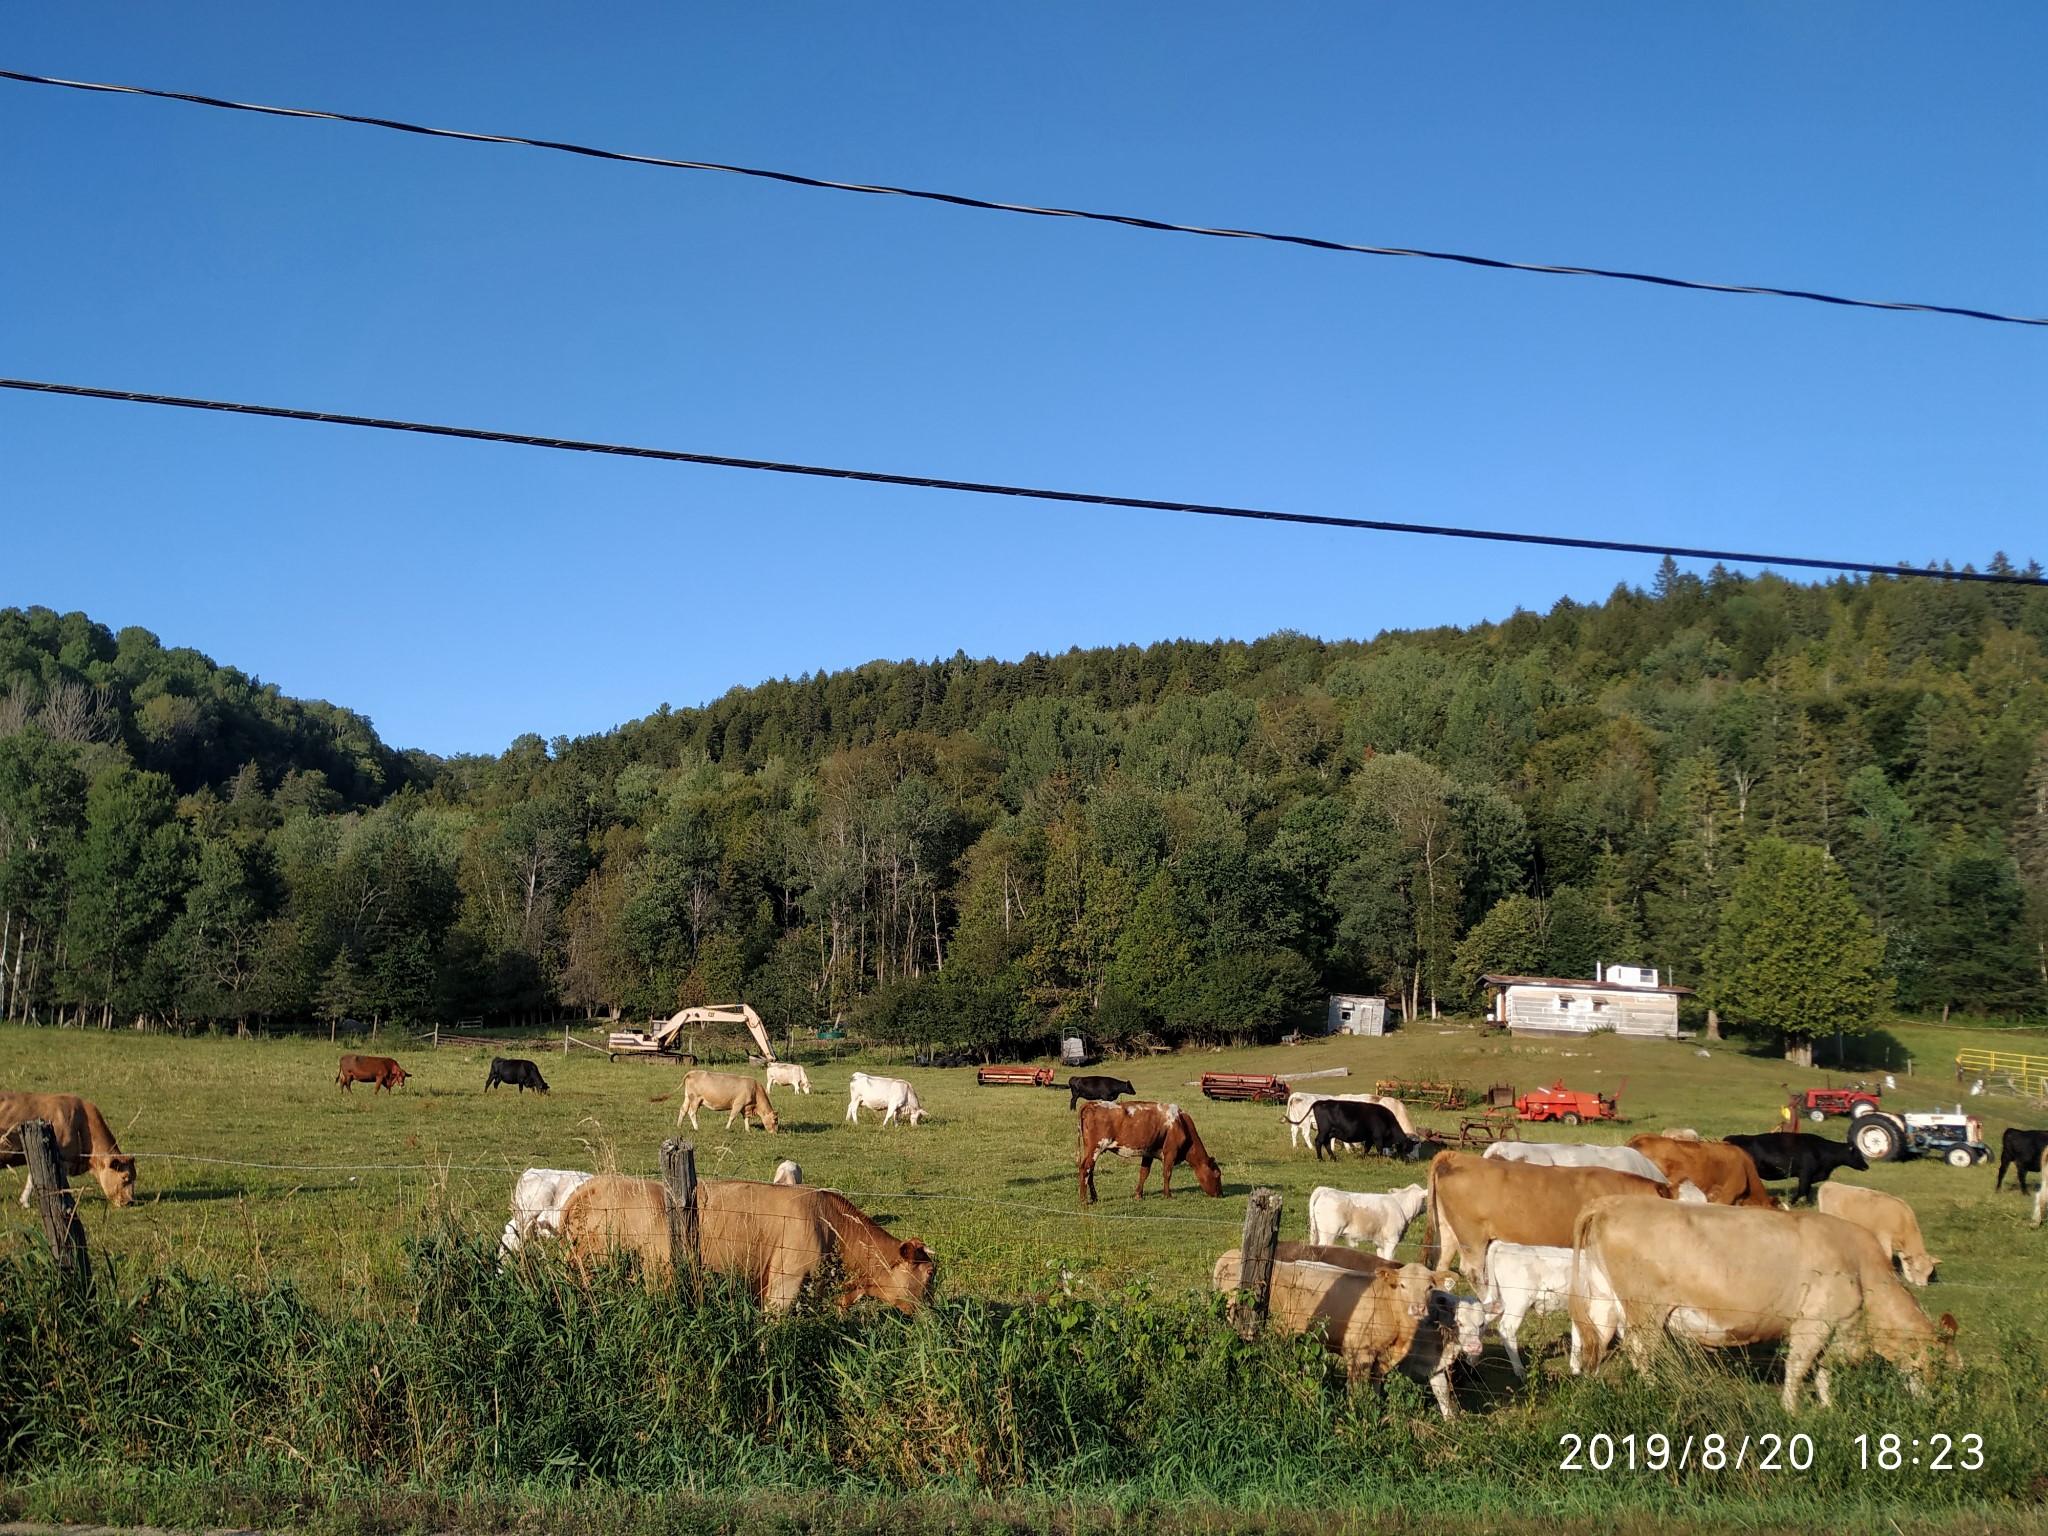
[
  {"x": 1477, "y": 1201},
  {"x": 1393, "y": 1318},
  {"x": 1722, "y": 1173},
  {"x": 83, "y": 1141},
  {"x": 774, "y": 1236},
  {"x": 1731, "y": 1276},
  {"x": 1887, "y": 1218},
  {"x": 733, "y": 1092}
]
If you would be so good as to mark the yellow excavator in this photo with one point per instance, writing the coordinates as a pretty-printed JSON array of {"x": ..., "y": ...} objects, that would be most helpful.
[{"x": 663, "y": 1037}]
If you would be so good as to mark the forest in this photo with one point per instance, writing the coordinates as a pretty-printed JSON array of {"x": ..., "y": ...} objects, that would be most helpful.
[{"x": 1185, "y": 841}]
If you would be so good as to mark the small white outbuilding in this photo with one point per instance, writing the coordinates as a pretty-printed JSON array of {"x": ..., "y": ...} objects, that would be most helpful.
[
  {"x": 1626, "y": 999},
  {"x": 1354, "y": 1015}
]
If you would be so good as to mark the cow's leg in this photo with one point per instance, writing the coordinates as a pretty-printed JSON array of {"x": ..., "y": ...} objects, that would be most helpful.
[
  {"x": 1440, "y": 1384},
  {"x": 1387, "y": 1244},
  {"x": 1088, "y": 1176},
  {"x": 1510, "y": 1328},
  {"x": 735, "y": 1110},
  {"x": 853, "y": 1111},
  {"x": 1805, "y": 1340},
  {"x": 1144, "y": 1168},
  {"x": 690, "y": 1109}
]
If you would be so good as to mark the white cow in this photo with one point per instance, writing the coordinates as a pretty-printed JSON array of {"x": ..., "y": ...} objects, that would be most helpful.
[
  {"x": 787, "y": 1172},
  {"x": 787, "y": 1074},
  {"x": 1301, "y": 1117},
  {"x": 1342, "y": 1216},
  {"x": 887, "y": 1096},
  {"x": 1544, "y": 1154},
  {"x": 537, "y": 1201},
  {"x": 1523, "y": 1280}
]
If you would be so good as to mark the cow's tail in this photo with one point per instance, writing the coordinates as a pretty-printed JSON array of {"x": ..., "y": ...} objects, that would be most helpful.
[
  {"x": 1593, "y": 1303},
  {"x": 1432, "y": 1245}
]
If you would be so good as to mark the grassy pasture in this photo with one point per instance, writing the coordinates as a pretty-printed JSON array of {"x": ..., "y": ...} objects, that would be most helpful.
[{"x": 987, "y": 1181}]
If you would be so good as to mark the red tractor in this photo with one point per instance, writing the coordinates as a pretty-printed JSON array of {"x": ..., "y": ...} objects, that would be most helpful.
[
  {"x": 1818, "y": 1103},
  {"x": 1568, "y": 1106}
]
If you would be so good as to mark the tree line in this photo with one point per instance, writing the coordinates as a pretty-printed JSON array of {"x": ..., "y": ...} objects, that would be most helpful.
[{"x": 1729, "y": 777}]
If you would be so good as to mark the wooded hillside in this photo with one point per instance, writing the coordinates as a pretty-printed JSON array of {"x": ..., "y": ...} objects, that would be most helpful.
[{"x": 1182, "y": 840}]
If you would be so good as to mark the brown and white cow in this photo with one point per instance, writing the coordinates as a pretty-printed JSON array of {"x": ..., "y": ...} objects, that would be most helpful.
[
  {"x": 83, "y": 1141},
  {"x": 734, "y": 1092},
  {"x": 1476, "y": 1201},
  {"x": 1394, "y": 1318},
  {"x": 1731, "y": 1276},
  {"x": 1724, "y": 1174},
  {"x": 1147, "y": 1132},
  {"x": 774, "y": 1236},
  {"x": 381, "y": 1070},
  {"x": 1887, "y": 1218}
]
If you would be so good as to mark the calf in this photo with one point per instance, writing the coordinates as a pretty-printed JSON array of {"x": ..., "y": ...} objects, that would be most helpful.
[
  {"x": 787, "y": 1074},
  {"x": 519, "y": 1073},
  {"x": 381, "y": 1070},
  {"x": 1103, "y": 1090},
  {"x": 1797, "y": 1155},
  {"x": 537, "y": 1201},
  {"x": 1887, "y": 1218},
  {"x": 1366, "y": 1126},
  {"x": 787, "y": 1172},
  {"x": 1524, "y": 1280},
  {"x": 2022, "y": 1151},
  {"x": 1341, "y": 1216}
]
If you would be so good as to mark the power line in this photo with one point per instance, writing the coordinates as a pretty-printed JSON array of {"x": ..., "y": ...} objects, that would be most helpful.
[
  {"x": 991, "y": 488},
  {"x": 961, "y": 200}
]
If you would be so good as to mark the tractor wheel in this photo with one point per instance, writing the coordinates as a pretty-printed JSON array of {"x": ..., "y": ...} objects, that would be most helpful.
[
  {"x": 1861, "y": 1108},
  {"x": 1879, "y": 1138},
  {"x": 1816, "y": 1115},
  {"x": 1961, "y": 1157},
  {"x": 1570, "y": 1117}
]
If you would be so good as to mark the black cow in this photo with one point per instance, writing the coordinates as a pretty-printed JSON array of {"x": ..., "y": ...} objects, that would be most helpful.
[
  {"x": 1104, "y": 1089},
  {"x": 2023, "y": 1148},
  {"x": 1369, "y": 1127},
  {"x": 1796, "y": 1155},
  {"x": 521, "y": 1074}
]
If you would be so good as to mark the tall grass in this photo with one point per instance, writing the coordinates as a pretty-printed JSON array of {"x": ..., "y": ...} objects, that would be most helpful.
[{"x": 181, "y": 1396}]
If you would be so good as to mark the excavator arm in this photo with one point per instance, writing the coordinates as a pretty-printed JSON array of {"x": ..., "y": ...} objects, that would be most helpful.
[{"x": 726, "y": 1013}]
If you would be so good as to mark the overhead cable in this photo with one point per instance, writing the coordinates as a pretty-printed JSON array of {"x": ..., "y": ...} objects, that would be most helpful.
[
  {"x": 961, "y": 200},
  {"x": 1034, "y": 493}
]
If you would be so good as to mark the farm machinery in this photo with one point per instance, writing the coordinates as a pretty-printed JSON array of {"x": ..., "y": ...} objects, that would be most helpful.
[
  {"x": 1883, "y": 1136},
  {"x": 1569, "y": 1106},
  {"x": 663, "y": 1036},
  {"x": 1818, "y": 1103}
]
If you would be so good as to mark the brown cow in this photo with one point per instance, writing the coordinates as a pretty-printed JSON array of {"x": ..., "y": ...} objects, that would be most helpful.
[
  {"x": 774, "y": 1236},
  {"x": 1722, "y": 1173},
  {"x": 1729, "y": 1276},
  {"x": 381, "y": 1070},
  {"x": 1393, "y": 1318},
  {"x": 734, "y": 1092},
  {"x": 83, "y": 1141},
  {"x": 1145, "y": 1131},
  {"x": 1476, "y": 1201},
  {"x": 1332, "y": 1253},
  {"x": 1887, "y": 1218}
]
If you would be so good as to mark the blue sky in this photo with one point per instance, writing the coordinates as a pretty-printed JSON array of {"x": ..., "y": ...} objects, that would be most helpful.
[{"x": 461, "y": 594}]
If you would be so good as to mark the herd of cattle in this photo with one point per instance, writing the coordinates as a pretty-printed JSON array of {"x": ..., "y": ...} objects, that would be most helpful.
[{"x": 1666, "y": 1235}]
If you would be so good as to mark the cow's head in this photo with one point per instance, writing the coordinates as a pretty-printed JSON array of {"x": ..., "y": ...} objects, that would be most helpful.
[
  {"x": 395, "y": 1076},
  {"x": 908, "y": 1279},
  {"x": 116, "y": 1174},
  {"x": 1414, "y": 1287},
  {"x": 768, "y": 1119},
  {"x": 1464, "y": 1317},
  {"x": 1918, "y": 1267},
  {"x": 914, "y": 1111},
  {"x": 1855, "y": 1158},
  {"x": 1209, "y": 1177}
]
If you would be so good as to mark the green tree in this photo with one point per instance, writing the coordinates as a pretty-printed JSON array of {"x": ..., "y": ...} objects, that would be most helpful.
[
  {"x": 1794, "y": 953},
  {"x": 127, "y": 875}
]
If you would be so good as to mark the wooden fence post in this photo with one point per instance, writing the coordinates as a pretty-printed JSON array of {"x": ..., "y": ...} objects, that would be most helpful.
[
  {"x": 679, "y": 1178},
  {"x": 54, "y": 1197},
  {"x": 1255, "y": 1259}
]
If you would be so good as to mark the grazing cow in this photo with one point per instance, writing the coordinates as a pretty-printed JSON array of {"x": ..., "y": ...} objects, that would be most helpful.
[
  {"x": 1730, "y": 1276},
  {"x": 2022, "y": 1151},
  {"x": 537, "y": 1201},
  {"x": 1393, "y": 1319},
  {"x": 787, "y": 1172},
  {"x": 1300, "y": 1123},
  {"x": 887, "y": 1096},
  {"x": 83, "y": 1141},
  {"x": 1341, "y": 1216},
  {"x": 1523, "y": 1280},
  {"x": 1145, "y": 1131},
  {"x": 1887, "y": 1218},
  {"x": 1548, "y": 1154},
  {"x": 1797, "y": 1155},
  {"x": 381, "y": 1070},
  {"x": 1104, "y": 1090},
  {"x": 787, "y": 1074},
  {"x": 1477, "y": 1201},
  {"x": 773, "y": 1236},
  {"x": 1365, "y": 1126},
  {"x": 734, "y": 1092},
  {"x": 1722, "y": 1173},
  {"x": 520, "y": 1074}
]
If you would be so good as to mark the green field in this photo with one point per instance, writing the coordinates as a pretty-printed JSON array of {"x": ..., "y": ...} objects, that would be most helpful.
[{"x": 331, "y": 1340}]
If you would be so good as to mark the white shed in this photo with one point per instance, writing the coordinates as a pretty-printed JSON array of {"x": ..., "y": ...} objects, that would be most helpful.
[
  {"x": 1624, "y": 999},
  {"x": 1354, "y": 1015}
]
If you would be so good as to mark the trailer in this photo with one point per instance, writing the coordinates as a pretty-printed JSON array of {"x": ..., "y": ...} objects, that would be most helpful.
[
  {"x": 1015, "y": 1077},
  {"x": 1568, "y": 1106}
]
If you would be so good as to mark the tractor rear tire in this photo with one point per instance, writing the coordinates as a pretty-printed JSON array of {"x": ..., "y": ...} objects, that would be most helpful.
[{"x": 1879, "y": 1138}]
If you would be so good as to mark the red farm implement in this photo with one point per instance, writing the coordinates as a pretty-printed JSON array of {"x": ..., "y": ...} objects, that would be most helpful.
[
  {"x": 1015, "y": 1077},
  {"x": 1818, "y": 1103},
  {"x": 1258, "y": 1087},
  {"x": 1568, "y": 1106}
]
